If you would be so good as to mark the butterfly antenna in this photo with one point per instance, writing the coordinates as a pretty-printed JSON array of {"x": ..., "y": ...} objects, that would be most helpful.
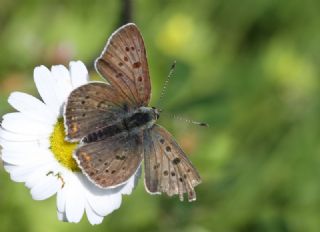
[
  {"x": 190, "y": 121},
  {"x": 165, "y": 85}
]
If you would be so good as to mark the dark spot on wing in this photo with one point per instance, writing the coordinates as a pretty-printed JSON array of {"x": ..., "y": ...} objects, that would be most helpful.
[
  {"x": 106, "y": 170},
  {"x": 132, "y": 48},
  {"x": 113, "y": 171},
  {"x": 125, "y": 58},
  {"x": 119, "y": 75},
  {"x": 87, "y": 97},
  {"x": 180, "y": 179},
  {"x": 106, "y": 163},
  {"x": 162, "y": 141},
  {"x": 84, "y": 114},
  {"x": 173, "y": 173},
  {"x": 176, "y": 161},
  {"x": 136, "y": 64},
  {"x": 156, "y": 166},
  {"x": 140, "y": 78},
  {"x": 120, "y": 64},
  {"x": 120, "y": 157},
  {"x": 168, "y": 149},
  {"x": 127, "y": 49},
  {"x": 82, "y": 102},
  {"x": 165, "y": 172}
]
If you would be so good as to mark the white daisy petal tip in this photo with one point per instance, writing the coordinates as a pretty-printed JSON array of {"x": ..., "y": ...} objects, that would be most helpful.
[{"x": 79, "y": 73}]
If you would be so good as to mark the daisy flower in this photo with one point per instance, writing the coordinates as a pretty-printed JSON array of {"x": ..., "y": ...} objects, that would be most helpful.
[{"x": 34, "y": 150}]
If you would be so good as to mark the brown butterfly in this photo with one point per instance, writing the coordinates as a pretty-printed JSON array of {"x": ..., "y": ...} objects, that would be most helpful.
[{"x": 116, "y": 128}]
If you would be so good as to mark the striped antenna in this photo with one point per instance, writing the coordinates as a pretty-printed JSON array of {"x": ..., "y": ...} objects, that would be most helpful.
[
  {"x": 190, "y": 121},
  {"x": 165, "y": 85}
]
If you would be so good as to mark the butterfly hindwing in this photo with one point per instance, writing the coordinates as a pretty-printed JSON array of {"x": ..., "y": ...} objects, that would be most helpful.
[
  {"x": 124, "y": 64},
  {"x": 111, "y": 162},
  {"x": 91, "y": 107},
  {"x": 167, "y": 169}
]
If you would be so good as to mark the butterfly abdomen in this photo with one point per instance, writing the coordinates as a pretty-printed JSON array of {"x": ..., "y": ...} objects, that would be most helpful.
[{"x": 136, "y": 121}]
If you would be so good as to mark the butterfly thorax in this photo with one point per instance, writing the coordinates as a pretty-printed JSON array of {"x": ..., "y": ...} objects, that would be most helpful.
[{"x": 138, "y": 120}]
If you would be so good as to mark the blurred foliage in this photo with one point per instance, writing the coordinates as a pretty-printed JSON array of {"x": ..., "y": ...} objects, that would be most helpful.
[{"x": 248, "y": 68}]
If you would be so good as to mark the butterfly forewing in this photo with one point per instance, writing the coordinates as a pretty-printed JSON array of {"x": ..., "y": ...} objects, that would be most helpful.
[
  {"x": 91, "y": 107},
  {"x": 124, "y": 64},
  {"x": 111, "y": 162},
  {"x": 167, "y": 169}
]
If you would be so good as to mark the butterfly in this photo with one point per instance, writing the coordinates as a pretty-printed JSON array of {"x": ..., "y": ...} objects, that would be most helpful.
[{"x": 116, "y": 129}]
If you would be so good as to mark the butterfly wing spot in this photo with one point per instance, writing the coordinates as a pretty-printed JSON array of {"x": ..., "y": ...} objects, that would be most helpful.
[
  {"x": 120, "y": 157},
  {"x": 74, "y": 127},
  {"x": 118, "y": 75},
  {"x": 106, "y": 164},
  {"x": 132, "y": 48},
  {"x": 113, "y": 171},
  {"x": 168, "y": 149},
  {"x": 173, "y": 173},
  {"x": 83, "y": 102},
  {"x": 136, "y": 64},
  {"x": 176, "y": 161},
  {"x": 125, "y": 58},
  {"x": 85, "y": 156},
  {"x": 127, "y": 49},
  {"x": 120, "y": 64},
  {"x": 106, "y": 171},
  {"x": 165, "y": 173},
  {"x": 84, "y": 114},
  {"x": 156, "y": 166},
  {"x": 139, "y": 78},
  {"x": 162, "y": 141}
]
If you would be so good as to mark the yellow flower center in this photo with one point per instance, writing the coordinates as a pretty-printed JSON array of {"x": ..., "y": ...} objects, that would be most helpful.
[{"x": 62, "y": 149}]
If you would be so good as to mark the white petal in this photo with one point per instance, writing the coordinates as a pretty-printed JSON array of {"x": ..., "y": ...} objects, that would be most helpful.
[
  {"x": 75, "y": 201},
  {"x": 93, "y": 218},
  {"x": 62, "y": 216},
  {"x": 79, "y": 73},
  {"x": 25, "y": 145},
  {"x": 39, "y": 173},
  {"x": 21, "y": 173},
  {"x": 46, "y": 85},
  {"x": 21, "y": 158},
  {"x": 102, "y": 201},
  {"x": 9, "y": 167},
  {"x": 104, "y": 204},
  {"x": 45, "y": 188},
  {"x": 61, "y": 200},
  {"x": 63, "y": 82},
  {"x": 132, "y": 182},
  {"x": 31, "y": 107},
  {"x": 19, "y": 123},
  {"x": 16, "y": 137}
]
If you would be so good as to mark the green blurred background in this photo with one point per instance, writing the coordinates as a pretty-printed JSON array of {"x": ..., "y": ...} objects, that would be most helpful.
[{"x": 248, "y": 68}]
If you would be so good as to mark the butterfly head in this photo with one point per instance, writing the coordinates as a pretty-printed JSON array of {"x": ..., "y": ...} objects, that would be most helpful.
[{"x": 156, "y": 113}]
